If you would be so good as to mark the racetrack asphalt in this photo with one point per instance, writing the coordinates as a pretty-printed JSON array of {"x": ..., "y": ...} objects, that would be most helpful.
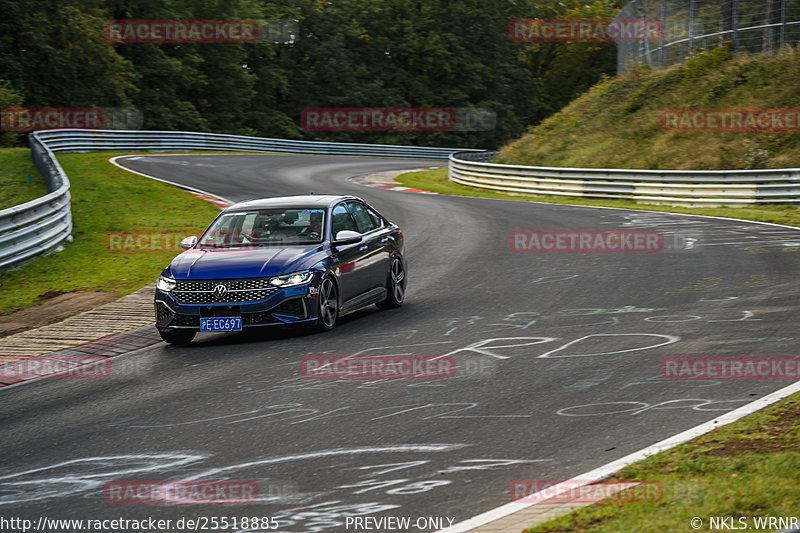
[{"x": 559, "y": 360}]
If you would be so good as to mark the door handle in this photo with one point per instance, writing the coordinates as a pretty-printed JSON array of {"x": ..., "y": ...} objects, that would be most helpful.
[{"x": 362, "y": 248}]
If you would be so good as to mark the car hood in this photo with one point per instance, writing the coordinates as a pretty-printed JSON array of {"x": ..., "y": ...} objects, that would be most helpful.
[{"x": 244, "y": 263}]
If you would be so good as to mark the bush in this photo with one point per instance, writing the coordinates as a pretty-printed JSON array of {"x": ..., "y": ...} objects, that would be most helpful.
[{"x": 9, "y": 98}]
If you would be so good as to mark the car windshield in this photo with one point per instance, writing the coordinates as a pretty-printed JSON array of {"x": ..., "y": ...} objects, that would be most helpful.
[{"x": 265, "y": 227}]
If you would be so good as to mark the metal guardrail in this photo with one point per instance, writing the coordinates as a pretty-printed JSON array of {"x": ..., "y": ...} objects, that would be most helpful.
[
  {"x": 155, "y": 141},
  {"x": 33, "y": 228},
  {"x": 692, "y": 188},
  {"x": 38, "y": 226},
  {"x": 41, "y": 225}
]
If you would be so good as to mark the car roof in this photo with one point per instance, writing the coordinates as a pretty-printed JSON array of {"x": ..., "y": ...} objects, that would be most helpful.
[{"x": 306, "y": 200}]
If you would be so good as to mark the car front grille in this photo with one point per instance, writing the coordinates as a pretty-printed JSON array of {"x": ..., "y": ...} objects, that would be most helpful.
[
  {"x": 250, "y": 319},
  {"x": 186, "y": 320},
  {"x": 236, "y": 291},
  {"x": 163, "y": 313}
]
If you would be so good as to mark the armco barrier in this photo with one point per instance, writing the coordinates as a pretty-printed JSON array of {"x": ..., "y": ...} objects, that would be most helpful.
[
  {"x": 157, "y": 141},
  {"x": 35, "y": 227},
  {"x": 38, "y": 226},
  {"x": 693, "y": 188}
]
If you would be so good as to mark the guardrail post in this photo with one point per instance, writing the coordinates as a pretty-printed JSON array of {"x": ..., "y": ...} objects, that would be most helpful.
[
  {"x": 662, "y": 56},
  {"x": 783, "y": 22},
  {"x": 645, "y": 42},
  {"x": 692, "y": 15}
]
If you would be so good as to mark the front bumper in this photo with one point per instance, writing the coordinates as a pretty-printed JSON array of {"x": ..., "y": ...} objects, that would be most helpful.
[{"x": 290, "y": 305}]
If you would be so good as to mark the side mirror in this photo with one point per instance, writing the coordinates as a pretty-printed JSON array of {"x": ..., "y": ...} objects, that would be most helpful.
[
  {"x": 188, "y": 242},
  {"x": 346, "y": 237}
]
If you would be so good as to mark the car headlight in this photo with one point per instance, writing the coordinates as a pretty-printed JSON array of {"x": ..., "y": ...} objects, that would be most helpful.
[
  {"x": 296, "y": 278},
  {"x": 165, "y": 284}
]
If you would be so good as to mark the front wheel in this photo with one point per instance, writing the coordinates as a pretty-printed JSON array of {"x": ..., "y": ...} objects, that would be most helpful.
[
  {"x": 395, "y": 285},
  {"x": 177, "y": 336},
  {"x": 328, "y": 305}
]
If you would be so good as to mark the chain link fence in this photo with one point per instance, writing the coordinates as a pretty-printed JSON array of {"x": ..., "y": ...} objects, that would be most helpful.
[{"x": 690, "y": 26}]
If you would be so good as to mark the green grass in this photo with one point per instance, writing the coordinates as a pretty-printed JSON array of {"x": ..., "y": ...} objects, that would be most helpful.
[
  {"x": 106, "y": 199},
  {"x": 617, "y": 124},
  {"x": 745, "y": 469},
  {"x": 15, "y": 165},
  {"x": 436, "y": 181}
]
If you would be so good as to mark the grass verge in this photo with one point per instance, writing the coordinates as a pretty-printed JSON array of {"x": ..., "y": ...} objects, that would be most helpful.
[
  {"x": 436, "y": 181},
  {"x": 617, "y": 123},
  {"x": 744, "y": 470},
  {"x": 15, "y": 166},
  {"x": 106, "y": 200}
]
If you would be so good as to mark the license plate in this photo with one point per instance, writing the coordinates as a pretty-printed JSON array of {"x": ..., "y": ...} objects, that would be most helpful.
[{"x": 221, "y": 323}]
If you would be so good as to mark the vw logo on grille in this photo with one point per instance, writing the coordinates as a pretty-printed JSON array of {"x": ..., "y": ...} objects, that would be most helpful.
[{"x": 220, "y": 290}]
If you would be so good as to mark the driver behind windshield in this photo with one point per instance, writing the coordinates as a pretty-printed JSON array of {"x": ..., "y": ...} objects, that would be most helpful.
[
  {"x": 315, "y": 226},
  {"x": 266, "y": 228}
]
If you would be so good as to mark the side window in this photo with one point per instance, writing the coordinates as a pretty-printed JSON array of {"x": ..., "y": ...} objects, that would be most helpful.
[
  {"x": 377, "y": 220},
  {"x": 364, "y": 221},
  {"x": 341, "y": 220},
  {"x": 249, "y": 223}
]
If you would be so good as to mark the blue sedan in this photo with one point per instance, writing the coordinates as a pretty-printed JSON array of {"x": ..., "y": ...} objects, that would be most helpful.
[{"x": 301, "y": 260}]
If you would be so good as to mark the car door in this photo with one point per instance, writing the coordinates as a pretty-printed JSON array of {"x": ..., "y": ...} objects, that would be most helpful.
[
  {"x": 351, "y": 259},
  {"x": 376, "y": 262}
]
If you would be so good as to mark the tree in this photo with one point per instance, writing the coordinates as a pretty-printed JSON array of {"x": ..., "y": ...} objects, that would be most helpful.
[
  {"x": 66, "y": 61},
  {"x": 9, "y": 98},
  {"x": 348, "y": 53}
]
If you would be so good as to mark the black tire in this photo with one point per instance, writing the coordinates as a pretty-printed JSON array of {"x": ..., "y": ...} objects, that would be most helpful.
[
  {"x": 395, "y": 285},
  {"x": 328, "y": 310},
  {"x": 177, "y": 336}
]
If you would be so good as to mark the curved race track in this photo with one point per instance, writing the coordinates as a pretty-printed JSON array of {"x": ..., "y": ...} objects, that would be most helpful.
[{"x": 577, "y": 385}]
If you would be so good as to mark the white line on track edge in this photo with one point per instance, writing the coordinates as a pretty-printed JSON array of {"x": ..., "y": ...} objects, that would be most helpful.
[
  {"x": 608, "y": 469},
  {"x": 113, "y": 161}
]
